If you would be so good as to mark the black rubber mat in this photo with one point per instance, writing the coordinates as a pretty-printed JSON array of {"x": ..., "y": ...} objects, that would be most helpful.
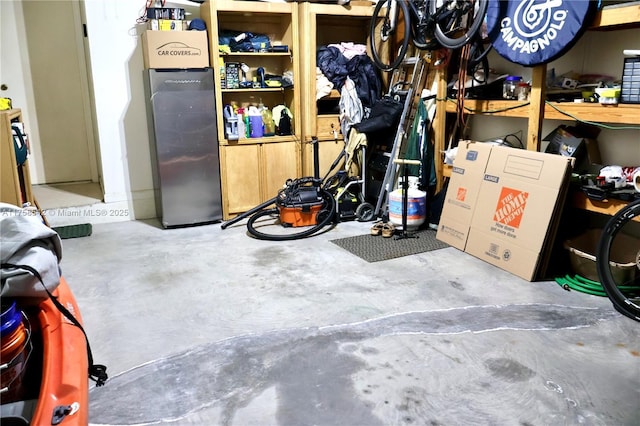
[
  {"x": 376, "y": 248},
  {"x": 74, "y": 231}
]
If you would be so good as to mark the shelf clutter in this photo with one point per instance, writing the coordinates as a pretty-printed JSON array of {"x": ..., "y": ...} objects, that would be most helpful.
[
  {"x": 545, "y": 103},
  {"x": 169, "y": 40},
  {"x": 479, "y": 227}
]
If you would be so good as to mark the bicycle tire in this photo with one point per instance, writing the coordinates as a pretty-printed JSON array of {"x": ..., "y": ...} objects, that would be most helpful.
[
  {"x": 622, "y": 301},
  {"x": 453, "y": 39},
  {"x": 381, "y": 35}
]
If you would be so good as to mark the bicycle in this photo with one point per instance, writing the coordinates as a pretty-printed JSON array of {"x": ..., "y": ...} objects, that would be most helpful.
[
  {"x": 621, "y": 282},
  {"x": 429, "y": 24}
]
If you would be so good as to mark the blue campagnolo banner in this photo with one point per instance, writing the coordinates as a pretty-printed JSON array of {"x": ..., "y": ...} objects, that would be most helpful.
[{"x": 534, "y": 32}]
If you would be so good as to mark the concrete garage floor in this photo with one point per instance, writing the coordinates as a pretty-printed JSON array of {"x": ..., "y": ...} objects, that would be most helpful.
[{"x": 203, "y": 326}]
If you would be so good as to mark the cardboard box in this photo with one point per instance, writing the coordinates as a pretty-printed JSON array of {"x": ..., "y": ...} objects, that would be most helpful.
[
  {"x": 175, "y": 49},
  {"x": 462, "y": 193},
  {"x": 579, "y": 142},
  {"x": 519, "y": 200},
  {"x": 582, "y": 255}
]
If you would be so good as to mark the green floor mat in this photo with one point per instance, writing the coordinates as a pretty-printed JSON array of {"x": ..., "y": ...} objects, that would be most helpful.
[{"x": 74, "y": 231}]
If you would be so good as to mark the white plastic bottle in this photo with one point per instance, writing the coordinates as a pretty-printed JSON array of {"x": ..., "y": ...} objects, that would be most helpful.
[{"x": 242, "y": 131}]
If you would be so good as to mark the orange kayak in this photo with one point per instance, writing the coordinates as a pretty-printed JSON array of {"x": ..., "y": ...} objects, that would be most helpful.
[{"x": 59, "y": 353}]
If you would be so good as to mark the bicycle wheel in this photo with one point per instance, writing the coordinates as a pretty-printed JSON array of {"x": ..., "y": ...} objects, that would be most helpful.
[
  {"x": 390, "y": 17},
  {"x": 457, "y": 22},
  {"x": 618, "y": 260}
]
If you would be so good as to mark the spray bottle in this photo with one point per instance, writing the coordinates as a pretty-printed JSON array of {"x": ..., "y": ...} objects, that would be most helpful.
[
  {"x": 247, "y": 124},
  {"x": 242, "y": 132}
]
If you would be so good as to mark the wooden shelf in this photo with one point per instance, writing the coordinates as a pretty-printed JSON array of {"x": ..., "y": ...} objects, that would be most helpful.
[
  {"x": 248, "y": 8},
  {"x": 251, "y": 89},
  {"x": 13, "y": 114},
  {"x": 354, "y": 9},
  {"x": 253, "y": 141},
  {"x": 256, "y": 54},
  {"x": 618, "y": 114},
  {"x": 607, "y": 207},
  {"x": 504, "y": 108},
  {"x": 617, "y": 16},
  {"x": 334, "y": 94}
]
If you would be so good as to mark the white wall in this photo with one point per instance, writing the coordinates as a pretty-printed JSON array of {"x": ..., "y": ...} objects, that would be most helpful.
[
  {"x": 120, "y": 117},
  {"x": 115, "y": 63},
  {"x": 115, "y": 51},
  {"x": 15, "y": 70},
  {"x": 115, "y": 58}
]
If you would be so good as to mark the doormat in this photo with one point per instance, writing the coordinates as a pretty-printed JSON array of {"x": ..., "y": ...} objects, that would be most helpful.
[
  {"x": 74, "y": 231},
  {"x": 374, "y": 249}
]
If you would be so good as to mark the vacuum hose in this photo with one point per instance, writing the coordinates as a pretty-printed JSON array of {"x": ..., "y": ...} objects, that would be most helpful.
[
  {"x": 325, "y": 216},
  {"x": 249, "y": 212}
]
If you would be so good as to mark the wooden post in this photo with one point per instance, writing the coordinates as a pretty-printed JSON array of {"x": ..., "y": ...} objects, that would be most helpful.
[{"x": 536, "y": 108}]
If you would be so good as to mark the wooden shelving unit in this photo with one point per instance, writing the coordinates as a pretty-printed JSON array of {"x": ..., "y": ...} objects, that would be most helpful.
[
  {"x": 16, "y": 181},
  {"x": 536, "y": 110},
  {"x": 324, "y": 24},
  {"x": 254, "y": 169}
]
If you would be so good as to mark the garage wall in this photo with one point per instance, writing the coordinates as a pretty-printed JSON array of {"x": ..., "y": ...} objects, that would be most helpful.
[{"x": 115, "y": 60}]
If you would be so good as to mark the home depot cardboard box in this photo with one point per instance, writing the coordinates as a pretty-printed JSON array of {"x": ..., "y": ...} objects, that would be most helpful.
[
  {"x": 175, "y": 49},
  {"x": 519, "y": 202},
  {"x": 462, "y": 193}
]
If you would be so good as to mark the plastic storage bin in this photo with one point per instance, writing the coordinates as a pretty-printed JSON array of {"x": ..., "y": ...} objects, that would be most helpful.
[{"x": 582, "y": 250}]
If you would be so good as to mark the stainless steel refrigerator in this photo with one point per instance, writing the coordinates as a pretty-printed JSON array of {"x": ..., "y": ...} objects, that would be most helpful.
[{"x": 183, "y": 131}]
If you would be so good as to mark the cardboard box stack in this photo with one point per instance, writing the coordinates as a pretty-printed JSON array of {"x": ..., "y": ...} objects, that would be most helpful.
[
  {"x": 503, "y": 206},
  {"x": 168, "y": 44}
]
